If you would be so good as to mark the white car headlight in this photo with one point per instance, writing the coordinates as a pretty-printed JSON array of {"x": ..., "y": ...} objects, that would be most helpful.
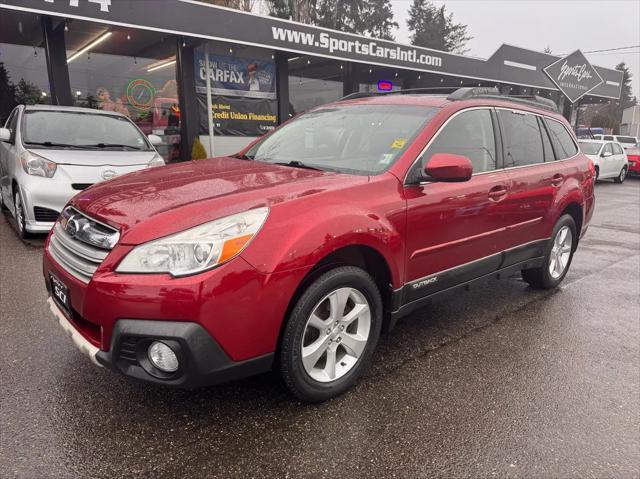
[
  {"x": 35, "y": 165},
  {"x": 196, "y": 249},
  {"x": 157, "y": 160}
]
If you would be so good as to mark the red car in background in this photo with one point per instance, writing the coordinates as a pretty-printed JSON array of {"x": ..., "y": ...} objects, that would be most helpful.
[
  {"x": 294, "y": 254},
  {"x": 633, "y": 156}
]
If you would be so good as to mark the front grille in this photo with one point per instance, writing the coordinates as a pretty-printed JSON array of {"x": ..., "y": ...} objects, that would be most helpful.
[
  {"x": 80, "y": 186},
  {"x": 45, "y": 214},
  {"x": 79, "y": 259}
]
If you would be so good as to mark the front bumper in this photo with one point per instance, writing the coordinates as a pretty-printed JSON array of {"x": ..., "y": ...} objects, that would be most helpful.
[
  {"x": 225, "y": 322},
  {"x": 52, "y": 196}
]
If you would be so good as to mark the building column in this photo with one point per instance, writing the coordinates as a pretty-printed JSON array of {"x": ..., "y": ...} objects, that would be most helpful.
[
  {"x": 282, "y": 87},
  {"x": 189, "y": 113},
  {"x": 56, "y": 57},
  {"x": 350, "y": 78}
]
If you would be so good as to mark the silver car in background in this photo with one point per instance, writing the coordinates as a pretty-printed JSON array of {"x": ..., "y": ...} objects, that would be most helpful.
[{"x": 50, "y": 153}]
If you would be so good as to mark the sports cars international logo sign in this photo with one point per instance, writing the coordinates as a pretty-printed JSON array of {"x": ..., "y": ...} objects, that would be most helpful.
[{"x": 574, "y": 76}]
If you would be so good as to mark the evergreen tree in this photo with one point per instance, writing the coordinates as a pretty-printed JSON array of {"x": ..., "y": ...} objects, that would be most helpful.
[
  {"x": 7, "y": 94},
  {"x": 433, "y": 27},
  {"x": 26, "y": 93},
  {"x": 626, "y": 98},
  {"x": 378, "y": 19},
  {"x": 303, "y": 11}
]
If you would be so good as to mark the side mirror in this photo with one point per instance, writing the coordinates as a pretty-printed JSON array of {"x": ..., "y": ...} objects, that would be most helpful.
[
  {"x": 155, "y": 140},
  {"x": 449, "y": 168},
  {"x": 606, "y": 154},
  {"x": 5, "y": 134}
]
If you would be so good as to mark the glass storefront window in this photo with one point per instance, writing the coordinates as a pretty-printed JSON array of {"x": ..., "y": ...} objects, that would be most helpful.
[
  {"x": 128, "y": 71},
  {"x": 23, "y": 68},
  {"x": 312, "y": 82}
]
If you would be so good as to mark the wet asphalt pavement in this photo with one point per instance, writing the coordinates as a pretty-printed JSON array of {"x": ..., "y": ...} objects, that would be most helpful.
[{"x": 500, "y": 381}]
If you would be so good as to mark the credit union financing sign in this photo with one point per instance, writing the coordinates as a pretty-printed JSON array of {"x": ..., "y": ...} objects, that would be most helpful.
[{"x": 574, "y": 76}]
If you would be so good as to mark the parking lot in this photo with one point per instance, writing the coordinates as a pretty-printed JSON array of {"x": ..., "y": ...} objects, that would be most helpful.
[{"x": 500, "y": 381}]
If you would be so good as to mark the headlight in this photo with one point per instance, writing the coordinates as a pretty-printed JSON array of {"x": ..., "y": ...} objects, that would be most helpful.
[
  {"x": 196, "y": 249},
  {"x": 157, "y": 160},
  {"x": 36, "y": 165}
]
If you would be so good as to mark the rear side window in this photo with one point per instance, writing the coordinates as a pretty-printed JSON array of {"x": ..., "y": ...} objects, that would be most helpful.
[
  {"x": 469, "y": 134},
  {"x": 562, "y": 141},
  {"x": 629, "y": 140},
  {"x": 522, "y": 139},
  {"x": 546, "y": 141},
  {"x": 608, "y": 138}
]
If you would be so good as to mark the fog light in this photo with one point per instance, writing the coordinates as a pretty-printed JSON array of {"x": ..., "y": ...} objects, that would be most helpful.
[{"x": 162, "y": 357}]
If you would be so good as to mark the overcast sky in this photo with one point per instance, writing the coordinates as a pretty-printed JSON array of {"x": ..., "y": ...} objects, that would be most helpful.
[{"x": 563, "y": 25}]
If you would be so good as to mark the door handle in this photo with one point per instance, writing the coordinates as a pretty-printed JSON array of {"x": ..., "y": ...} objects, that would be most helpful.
[
  {"x": 557, "y": 179},
  {"x": 498, "y": 192}
]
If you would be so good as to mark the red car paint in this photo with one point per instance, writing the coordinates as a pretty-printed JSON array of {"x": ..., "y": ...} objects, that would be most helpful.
[
  {"x": 633, "y": 156},
  {"x": 418, "y": 230}
]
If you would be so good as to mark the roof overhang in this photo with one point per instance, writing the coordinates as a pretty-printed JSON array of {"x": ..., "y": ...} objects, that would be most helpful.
[{"x": 512, "y": 65}]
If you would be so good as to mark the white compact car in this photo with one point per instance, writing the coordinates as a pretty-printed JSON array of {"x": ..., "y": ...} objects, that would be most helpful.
[
  {"x": 608, "y": 157},
  {"x": 50, "y": 153}
]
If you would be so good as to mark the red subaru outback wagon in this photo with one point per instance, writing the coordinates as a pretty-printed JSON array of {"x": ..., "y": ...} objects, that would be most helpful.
[{"x": 294, "y": 254}]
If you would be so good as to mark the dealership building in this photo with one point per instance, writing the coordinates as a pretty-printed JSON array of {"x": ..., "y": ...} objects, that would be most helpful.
[{"x": 149, "y": 59}]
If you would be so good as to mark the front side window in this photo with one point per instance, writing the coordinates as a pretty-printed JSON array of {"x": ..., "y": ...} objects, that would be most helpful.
[
  {"x": 60, "y": 129},
  {"x": 469, "y": 134},
  {"x": 617, "y": 149},
  {"x": 522, "y": 139},
  {"x": 608, "y": 148},
  {"x": 358, "y": 139},
  {"x": 563, "y": 143}
]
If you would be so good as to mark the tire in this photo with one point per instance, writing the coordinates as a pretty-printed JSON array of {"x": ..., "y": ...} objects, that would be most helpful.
[
  {"x": 18, "y": 214},
  {"x": 597, "y": 173},
  {"x": 308, "y": 375},
  {"x": 543, "y": 277},
  {"x": 621, "y": 177},
  {"x": 3, "y": 207}
]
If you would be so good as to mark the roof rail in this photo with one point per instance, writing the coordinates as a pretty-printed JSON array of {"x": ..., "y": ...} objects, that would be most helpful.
[
  {"x": 473, "y": 92},
  {"x": 466, "y": 93}
]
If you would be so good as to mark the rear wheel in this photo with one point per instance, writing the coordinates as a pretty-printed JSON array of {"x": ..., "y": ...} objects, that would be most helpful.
[
  {"x": 597, "y": 172},
  {"x": 558, "y": 256},
  {"x": 623, "y": 174},
  {"x": 331, "y": 333}
]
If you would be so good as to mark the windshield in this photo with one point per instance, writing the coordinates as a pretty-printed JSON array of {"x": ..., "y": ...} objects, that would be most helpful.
[
  {"x": 65, "y": 129},
  {"x": 359, "y": 139},
  {"x": 589, "y": 148},
  {"x": 626, "y": 139}
]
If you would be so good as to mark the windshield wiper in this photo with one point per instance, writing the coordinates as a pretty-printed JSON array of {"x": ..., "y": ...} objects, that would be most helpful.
[
  {"x": 244, "y": 156},
  {"x": 296, "y": 164},
  {"x": 111, "y": 145},
  {"x": 52, "y": 143}
]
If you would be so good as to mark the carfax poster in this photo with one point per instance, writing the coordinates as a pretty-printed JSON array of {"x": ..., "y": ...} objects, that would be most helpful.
[{"x": 243, "y": 94}]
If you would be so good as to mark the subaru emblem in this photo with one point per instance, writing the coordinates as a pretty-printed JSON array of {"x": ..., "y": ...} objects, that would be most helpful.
[{"x": 72, "y": 227}]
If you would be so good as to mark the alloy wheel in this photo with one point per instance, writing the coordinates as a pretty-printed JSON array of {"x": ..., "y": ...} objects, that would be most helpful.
[
  {"x": 336, "y": 334},
  {"x": 560, "y": 252},
  {"x": 19, "y": 213}
]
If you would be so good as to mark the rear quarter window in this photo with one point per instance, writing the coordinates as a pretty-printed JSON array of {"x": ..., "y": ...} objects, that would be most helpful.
[{"x": 562, "y": 141}]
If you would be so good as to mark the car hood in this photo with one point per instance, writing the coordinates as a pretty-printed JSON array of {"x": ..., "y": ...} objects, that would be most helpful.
[
  {"x": 155, "y": 202},
  {"x": 96, "y": 158}
]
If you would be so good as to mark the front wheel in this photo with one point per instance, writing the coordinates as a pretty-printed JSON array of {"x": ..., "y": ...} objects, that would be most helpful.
[
  {"x": 558, "y": 256},
  {"x": 623, "y": 174},
  {"x": 331, "y": 333},
  {"x": 19, "y": 214}
]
